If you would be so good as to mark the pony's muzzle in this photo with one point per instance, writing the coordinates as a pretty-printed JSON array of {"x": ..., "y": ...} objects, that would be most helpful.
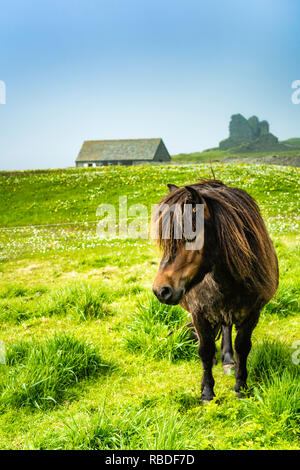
[{"x": 168, "y": 295}]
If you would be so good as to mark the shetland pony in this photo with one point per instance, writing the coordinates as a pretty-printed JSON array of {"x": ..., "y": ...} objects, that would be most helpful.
[{"x": 225, "y": 282}]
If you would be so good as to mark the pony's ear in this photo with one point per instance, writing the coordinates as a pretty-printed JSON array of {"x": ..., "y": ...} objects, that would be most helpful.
[
  {"x": 195, "y": 195},
  {"x": 172, "y": 187},
  {"x": 198, "y": 199}
]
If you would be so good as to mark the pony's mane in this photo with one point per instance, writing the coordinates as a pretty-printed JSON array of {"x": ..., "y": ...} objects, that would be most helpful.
[{"x": 243, "y": 241}]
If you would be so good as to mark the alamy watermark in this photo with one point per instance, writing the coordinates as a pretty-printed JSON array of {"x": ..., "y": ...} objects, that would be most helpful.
[
  {"x": 296, "y": 353},
  {"x": 2, "y": 353},
  {"x": 133, "y": 222},
  {"x": 296, "y": 94},
  {"x": 2, "y": 92}
]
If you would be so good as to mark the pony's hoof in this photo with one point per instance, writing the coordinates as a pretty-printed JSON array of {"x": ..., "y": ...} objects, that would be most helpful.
[
  {"x": 240, "y": 395},
  {"x": 206, "y": 400},
  {"x": 207, "y": 397},
  {"x": 228, "y": 369}
]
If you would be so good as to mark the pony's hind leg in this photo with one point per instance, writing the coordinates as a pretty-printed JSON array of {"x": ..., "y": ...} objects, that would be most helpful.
[{"x": 227, "y": 350}]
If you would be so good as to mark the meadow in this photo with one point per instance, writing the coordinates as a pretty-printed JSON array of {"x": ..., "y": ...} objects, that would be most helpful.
[
  {"x": 88, "y": 360},
  {"x": 288, "y": 157}
]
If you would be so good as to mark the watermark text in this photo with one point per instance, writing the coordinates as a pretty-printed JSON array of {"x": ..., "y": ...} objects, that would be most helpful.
[
  {"x": 296, "y": 94},
  {"x": 2, "y": 92},
  {"x": 2, "y": 353},
  {"x": 167, "y": 222}
]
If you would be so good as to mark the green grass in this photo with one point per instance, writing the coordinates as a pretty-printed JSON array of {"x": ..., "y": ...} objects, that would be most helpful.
[
  {"x": 271, "y": 358},
  {"x": 276, "y": 389},
  {"x": 79, "y": 301},
  {"x": 137, "y": 428},
  {"x": 89, "y": 360},
  {"x": 41, "y": 374},
  {"x": 286, "y": 300},
  {"x": 149, "y": 332}
]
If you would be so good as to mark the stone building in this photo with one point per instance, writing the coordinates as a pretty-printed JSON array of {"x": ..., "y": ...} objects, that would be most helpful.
[{"x": 122, "y": 152}]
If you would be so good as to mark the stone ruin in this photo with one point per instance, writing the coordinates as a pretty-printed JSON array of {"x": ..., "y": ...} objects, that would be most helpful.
[{"x": 250, "y": 135}]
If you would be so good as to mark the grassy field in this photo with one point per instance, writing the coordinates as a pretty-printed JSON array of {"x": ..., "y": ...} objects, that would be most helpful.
[
  {"x": 287, "y": 157},
  {"x": 89, "y": 363}
]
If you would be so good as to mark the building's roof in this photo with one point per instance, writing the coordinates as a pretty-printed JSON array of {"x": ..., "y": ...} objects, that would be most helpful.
[{"x": 110, "y": 150}]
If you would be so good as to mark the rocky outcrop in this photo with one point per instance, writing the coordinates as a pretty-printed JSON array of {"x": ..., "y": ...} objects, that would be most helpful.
[{"x": 250, "y": 135}]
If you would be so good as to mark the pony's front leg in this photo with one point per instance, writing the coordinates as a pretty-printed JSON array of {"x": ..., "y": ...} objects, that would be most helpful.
[
  {"x": 242, "y": 347},
  {"x": 206, "y": 352},
  {"x": 226, "y": 348}
]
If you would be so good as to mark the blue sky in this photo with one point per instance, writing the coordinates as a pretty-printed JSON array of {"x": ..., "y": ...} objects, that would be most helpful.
[{"x": 111, "y": 69}]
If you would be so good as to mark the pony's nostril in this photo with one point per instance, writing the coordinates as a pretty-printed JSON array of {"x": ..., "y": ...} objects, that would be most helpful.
[{"x": 166, "y": 292}]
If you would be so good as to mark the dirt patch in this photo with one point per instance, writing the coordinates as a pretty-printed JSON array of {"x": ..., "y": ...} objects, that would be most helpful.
[
  {"x": 286, "y": 160},
  {"x": 31, "y": 267}
]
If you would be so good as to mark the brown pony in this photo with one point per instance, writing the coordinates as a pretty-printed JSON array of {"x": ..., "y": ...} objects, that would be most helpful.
[{"x": 227, "y": 281}]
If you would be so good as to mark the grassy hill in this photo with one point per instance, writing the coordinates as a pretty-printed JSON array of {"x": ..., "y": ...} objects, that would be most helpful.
[
  {"x": 294, "y": 142},
  {"x": 89, "y": 364},
  {"x": 290, "y": 157}
]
